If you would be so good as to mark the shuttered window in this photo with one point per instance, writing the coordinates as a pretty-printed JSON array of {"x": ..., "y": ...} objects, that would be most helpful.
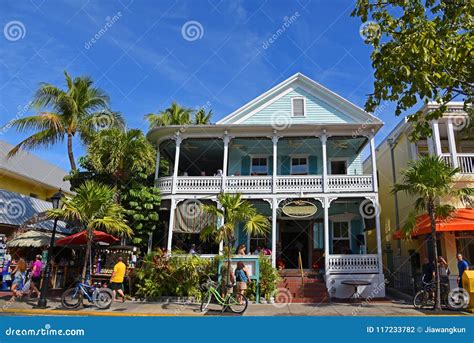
[{"x": 298, "y": 107}]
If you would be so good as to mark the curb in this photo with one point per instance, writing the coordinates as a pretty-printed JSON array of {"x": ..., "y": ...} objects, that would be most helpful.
[{"x": 92, "y": 313}]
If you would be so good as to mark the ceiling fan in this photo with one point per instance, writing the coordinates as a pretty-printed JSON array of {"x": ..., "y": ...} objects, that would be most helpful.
[{"x": 340, "y": 145}]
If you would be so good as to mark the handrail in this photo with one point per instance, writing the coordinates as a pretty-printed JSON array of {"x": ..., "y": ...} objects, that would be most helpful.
[{"x": 300, "y": 267}]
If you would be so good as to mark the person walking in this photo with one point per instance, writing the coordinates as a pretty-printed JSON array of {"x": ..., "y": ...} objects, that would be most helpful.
[
  {"x": 36, "y": 276},
  {"x": 242, "y": 276},
  {"x": 19, "y": 276},
  {"x": 116, "y": 280},
  {"x": 462, "y": 266}
]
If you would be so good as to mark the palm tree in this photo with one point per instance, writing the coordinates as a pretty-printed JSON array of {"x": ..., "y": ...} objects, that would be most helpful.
[
  {"x": 202, "y": 118},
  {"x": 82, "y": 109},
  {"x": 95, "y": 208},
  {"x": 174, "y": 115},
  {"x": 121, "y": 154},
  {"x": 431, "y": 181},
  {"x": 233, "y": 210}
]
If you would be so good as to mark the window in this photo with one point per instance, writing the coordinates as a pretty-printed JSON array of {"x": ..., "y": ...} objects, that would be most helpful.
[
  {"x": 318, "y": 235},
  {"x": 258, "y": 242},
  {"x": 339, "y": 167},
  {"x": 341, "y": 238},
  {"x": 259, "y": 166},
  {"x": 298, "y": 108},
  {"x": 299, "y": 166}
]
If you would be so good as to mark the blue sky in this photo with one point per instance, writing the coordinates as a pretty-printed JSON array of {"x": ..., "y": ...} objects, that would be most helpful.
[{"x": 144, "y": 61}]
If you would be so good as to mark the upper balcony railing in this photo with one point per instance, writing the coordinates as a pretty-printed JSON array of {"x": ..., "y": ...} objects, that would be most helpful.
[
  {"x": 465, "y": 162},
  {"x": 264, "y": 184}
]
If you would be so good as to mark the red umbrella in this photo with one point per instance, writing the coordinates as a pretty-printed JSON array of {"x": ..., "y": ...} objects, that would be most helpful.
[{"x": 80, "y": 238}]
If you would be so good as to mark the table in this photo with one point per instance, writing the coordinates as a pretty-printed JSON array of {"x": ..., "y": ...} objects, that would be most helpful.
[{"x": 356, "y": 283}]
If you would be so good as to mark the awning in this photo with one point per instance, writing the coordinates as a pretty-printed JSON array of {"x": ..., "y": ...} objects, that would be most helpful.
[
  {"x": 32, "y": 239},
  {"x": 80, "y": 238},
  {"x": 461, "y": 220}
]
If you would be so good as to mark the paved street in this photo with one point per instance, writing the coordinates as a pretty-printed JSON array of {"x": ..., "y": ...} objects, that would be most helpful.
[{"x": 138, "y": 308}]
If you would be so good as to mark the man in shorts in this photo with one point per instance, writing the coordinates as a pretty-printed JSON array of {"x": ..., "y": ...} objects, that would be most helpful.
[{"x": 116, "y": 280}]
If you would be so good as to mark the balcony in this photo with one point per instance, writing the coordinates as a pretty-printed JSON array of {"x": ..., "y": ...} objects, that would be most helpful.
[
  {"x": 465, "y": 162},
  {"x": 366, "y": 264},
  {"x": 264, "y": 184}
]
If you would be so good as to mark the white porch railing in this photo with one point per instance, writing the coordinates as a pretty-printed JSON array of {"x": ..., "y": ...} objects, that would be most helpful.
[
  {"x": 249, "y": 184},
  {"x": 466, "y": 163},
  {"x": 347, "y": 183},
  {"x": 298, "y": 183},
  {"x": 198, "y": 184},
  {"x": 165, "y": 184},
  {"x": 446, "y": 158},
  {"x": 264, "y": 184},
  {"x": 353, "y": 264}
]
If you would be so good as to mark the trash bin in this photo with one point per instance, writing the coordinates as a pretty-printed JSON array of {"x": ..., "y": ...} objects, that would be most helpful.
[{"x": 468, "y": 285}]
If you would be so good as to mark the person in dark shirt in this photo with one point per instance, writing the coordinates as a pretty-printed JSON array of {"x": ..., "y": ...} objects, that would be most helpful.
[
  {"x": 428, "y": 270},
  {"x": 462, "y": 266}
]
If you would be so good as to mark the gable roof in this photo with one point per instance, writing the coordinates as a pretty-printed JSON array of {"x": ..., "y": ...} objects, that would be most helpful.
[
  {"x": 31, "y": 167},
  {"x": 299, "y": 80}
]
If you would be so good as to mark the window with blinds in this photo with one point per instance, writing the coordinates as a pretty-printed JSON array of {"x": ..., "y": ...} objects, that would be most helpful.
[{"x": 298, "y": 107}]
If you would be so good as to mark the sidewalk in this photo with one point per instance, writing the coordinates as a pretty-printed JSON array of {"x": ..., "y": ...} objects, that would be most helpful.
[{"x": 138, "y": 308}]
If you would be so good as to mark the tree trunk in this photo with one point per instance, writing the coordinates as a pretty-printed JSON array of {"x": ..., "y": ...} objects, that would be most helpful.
[
  {"x": 88, "y": 252},
  {"x": 228, "y": 264},
  {"x": 434, "y": 241},
  {"x": 70, "y": 152}
]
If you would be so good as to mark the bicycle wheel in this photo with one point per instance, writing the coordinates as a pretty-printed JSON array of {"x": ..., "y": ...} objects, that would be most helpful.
[
  {"x": 421, "y": 299},
  {"x": 206, "y": 300},
  {"x": 103, "y": 298},
  {"x": 72, "y": 298},
  {"x": 237, "y": 303}
]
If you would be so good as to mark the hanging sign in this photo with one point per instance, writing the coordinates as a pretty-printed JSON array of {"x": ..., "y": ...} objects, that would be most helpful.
[{"x": 299, "y": 209}]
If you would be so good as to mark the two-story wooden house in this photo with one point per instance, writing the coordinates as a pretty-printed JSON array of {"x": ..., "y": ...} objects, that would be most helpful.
[{"x": 295, "y": 152}]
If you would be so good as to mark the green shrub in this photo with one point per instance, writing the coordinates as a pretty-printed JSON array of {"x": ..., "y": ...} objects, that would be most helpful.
[
  {"x": 182, "y": 276},
  {"x": 179, "y": 276}
]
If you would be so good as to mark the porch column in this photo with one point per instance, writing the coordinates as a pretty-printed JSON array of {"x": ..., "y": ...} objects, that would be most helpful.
[
  {"x": 326, "y": 234},
  {"x": 157, "y": 167},
  {"x": 324, "y": 139},
  {"x": 378, "y": 236},
  {"x": 275, "y": 164},
  {"x": 429, "y": 141},
  {"x": 176, "y": 163},
  {"x": 226, "y": 141},
  {"x": 274, "y": 230},
  {"x": 414, "y": 152},
  {"x": 374, "y": 163},
  {"x": 452, "y": 144},
  {"x": 171, "y": 225},
  {"x": 435, "y": 136}
]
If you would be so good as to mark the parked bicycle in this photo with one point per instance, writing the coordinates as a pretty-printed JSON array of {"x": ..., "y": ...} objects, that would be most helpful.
[
  {"x": 73, "y": 297},
  {"x": 235, "y": 302},
  {"x": 425, "y": 298}
]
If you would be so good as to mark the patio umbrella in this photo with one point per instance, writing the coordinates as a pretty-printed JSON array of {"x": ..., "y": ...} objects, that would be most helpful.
[{"x": 80, "y": 238}]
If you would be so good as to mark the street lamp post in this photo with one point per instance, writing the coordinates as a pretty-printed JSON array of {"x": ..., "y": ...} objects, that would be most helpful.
[{"x": 42, "y": 302}]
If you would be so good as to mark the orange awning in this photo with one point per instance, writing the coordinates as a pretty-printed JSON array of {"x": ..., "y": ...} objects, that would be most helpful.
[{"x": 461, "y": 220}]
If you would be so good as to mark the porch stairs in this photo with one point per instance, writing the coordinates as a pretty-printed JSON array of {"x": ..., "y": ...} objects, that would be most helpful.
[{"x": 313, "y": 290}]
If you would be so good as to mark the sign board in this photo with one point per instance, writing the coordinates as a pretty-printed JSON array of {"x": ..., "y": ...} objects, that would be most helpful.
[{"x": 299, "y": 209}]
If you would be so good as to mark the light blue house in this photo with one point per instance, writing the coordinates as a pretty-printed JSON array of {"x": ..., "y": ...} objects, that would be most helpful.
[{"x": 295, "y": 153}]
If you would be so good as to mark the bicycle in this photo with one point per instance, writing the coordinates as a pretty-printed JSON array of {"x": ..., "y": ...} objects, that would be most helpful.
[
  {"x": 74, "y": 297},
  {"x": 235, "y": 302},
  {"x": 425, "y": 297}
]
